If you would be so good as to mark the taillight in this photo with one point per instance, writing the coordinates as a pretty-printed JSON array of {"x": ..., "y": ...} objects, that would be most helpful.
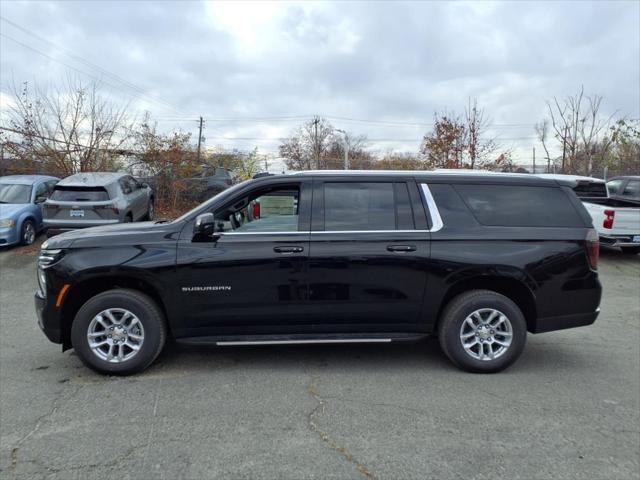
[
  {"x": 256, "y": 210},
  {"x": 592, "y": 245},
  {"x": 609, "y": 215},
  {"x": 113, "y": 206}
]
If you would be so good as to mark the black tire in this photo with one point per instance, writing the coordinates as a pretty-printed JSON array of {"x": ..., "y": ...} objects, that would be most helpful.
[
  {"x": 28, "y": 232},
  {"x": 128, "y": 218},
  {"x": 150, "y": 211},
  {"x": 456, "y": 312},
  {"x": 148, "y": 314},
  {"x": 630, "y": 250}
]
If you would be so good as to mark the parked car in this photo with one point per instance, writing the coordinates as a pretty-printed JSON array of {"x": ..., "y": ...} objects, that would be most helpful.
[
  {"x": 616, "y": 218},
  {"x": 21, "y": 198},
  {"x": 331, "y": 257},
  {"x": 97, "y": 199},
  {"x": 627, "y": 188}
]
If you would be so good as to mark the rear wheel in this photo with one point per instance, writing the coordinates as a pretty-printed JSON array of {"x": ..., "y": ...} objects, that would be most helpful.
[
  {"x": 151, "y": 213},
  {"x": 28, "y": 233},
  {"x": 119, "y": 332},
  {"x": 128, "y": 218},
  {"x": 482, "y": 331},
  {"x": 630, "y": 250}
]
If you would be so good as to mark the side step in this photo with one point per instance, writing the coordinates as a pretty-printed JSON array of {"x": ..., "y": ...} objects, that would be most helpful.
[{"x": 301, "y": 339}]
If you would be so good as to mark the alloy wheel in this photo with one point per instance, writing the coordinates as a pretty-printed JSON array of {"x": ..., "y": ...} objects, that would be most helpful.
[
  {"x": 115, "y": 335},
  {"x": 486, "y": 334}
]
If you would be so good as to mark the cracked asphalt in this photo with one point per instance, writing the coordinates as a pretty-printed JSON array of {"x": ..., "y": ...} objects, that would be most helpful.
[{"x": 570, "y": 407}]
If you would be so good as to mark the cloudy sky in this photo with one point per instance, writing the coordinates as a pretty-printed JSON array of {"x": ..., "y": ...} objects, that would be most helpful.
[{"x": 255, "y": 70}]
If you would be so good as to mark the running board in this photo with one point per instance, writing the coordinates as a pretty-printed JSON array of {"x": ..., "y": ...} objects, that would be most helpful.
[
  {"x": 300, "y": 339},
  {"x": 302, "y": 342}
]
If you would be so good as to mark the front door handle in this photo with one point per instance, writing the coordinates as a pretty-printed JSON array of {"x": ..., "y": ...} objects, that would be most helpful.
[
  {"x": 288, "y": 249},
  {"x": 401, "y": 248}
]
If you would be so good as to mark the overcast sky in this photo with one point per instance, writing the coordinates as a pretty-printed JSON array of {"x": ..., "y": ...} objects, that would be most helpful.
[{"x": 254, "y": 70}]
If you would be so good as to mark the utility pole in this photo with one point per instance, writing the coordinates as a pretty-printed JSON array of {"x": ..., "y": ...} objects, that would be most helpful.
[
  {"x": 534, "y": 160},
  {"x": 200, "y": 138},
  {"x": 316, "y": 147},
  {"x": 346, "y": 148},
  {"x": 564, "y": 148}
]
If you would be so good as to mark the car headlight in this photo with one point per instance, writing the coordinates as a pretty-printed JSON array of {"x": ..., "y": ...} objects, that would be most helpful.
[
  {"x": 7, "y": 222},
  {"x": 42, "y": 282}
]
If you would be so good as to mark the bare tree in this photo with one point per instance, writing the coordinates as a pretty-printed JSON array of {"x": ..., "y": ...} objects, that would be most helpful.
[
  {"x": 578, "y": 125},
  {"x": 68, "y": 130},
  {"x": 308, "y": 147},
  {"x": 542, "y": 131},
  {"x": 477, "y": 125}
]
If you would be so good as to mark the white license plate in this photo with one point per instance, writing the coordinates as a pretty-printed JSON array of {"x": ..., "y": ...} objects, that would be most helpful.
[
  {"x": 636, "y": 239},
  {"x": 76, "y": 213}
]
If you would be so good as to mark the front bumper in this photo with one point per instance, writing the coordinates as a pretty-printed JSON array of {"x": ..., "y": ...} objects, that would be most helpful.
[
  {"x": 8, "y": 236},
  {"x": 619, "y": 240},
  {"x": 48, "y": 318},
  {"x": 549, "y": 324}
]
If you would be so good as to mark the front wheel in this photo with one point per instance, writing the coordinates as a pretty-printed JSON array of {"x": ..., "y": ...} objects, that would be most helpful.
[
  {"x": 119, "y": 332},
  {"x": 630, "y": 250},
  {"x": 482, "y": 331},
  {"x": 28, "y": 233}
]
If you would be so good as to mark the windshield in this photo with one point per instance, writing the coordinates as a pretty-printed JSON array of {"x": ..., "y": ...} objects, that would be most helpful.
[
  {"x": 223, "y": 194},
  {"x": 15, "y": 193}
]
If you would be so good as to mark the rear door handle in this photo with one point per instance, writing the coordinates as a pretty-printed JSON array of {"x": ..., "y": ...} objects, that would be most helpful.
[
  {"x": 401, "y": 248},
  {"x": 288, "y": 249}
]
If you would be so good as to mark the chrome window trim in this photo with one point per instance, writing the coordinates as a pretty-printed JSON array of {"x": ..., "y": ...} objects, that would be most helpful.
[
  {"x": 434, "y": 213},
  {"x": 332, "y": 232}
]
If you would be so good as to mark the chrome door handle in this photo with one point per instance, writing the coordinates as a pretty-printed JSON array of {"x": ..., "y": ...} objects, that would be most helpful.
[
  {"x": 401, "y": 248},
  {"x": 288, "y": 249}
]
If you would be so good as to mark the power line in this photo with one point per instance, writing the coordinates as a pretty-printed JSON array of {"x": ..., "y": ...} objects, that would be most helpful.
[{"x": 80, "y": 59}]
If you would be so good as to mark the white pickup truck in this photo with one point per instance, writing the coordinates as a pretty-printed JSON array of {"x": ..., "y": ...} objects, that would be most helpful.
[{"x": 617, "y": 220}]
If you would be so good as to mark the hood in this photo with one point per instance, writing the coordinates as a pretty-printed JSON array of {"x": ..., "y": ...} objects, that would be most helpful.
[
  {"x": 113, "y": 235},
  {"x": 12, "y": 210}
]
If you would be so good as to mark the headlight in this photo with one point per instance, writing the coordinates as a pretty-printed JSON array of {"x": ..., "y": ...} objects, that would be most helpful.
[
  {"x": 49, "y": 257},
  {"x": 42, "y": 282},
  {"x": 7, "y": 222}
]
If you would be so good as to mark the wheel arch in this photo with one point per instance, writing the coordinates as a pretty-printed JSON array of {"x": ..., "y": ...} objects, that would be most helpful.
[
  {"x": 512, "y": 288},
  {"x": 81, "y": 292}
]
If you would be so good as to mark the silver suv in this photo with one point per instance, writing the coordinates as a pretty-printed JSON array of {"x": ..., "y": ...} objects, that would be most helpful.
[{"x": 94, "y": 199}]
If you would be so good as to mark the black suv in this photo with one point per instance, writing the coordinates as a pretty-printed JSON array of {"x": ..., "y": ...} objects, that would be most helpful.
[{"x": 331, "y": 257}]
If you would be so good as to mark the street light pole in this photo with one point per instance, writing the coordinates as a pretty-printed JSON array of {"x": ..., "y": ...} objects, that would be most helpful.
[{"x": 346, "y": 148}]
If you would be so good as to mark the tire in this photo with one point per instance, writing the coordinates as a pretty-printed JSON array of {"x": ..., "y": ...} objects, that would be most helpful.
[
  {"x": 476, "y": 305},
  {"x": 150, "y": 326},
  {"x": 128, "y": 218},
  {"x": 28, "y": 232},
  {"x": 630, "y": 250},
  {"x": 150, "y": 212}
]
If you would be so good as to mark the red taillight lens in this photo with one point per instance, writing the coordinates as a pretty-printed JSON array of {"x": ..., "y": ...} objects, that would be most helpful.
[
  {"x": 113, "y": 206},
  {"x": 592, "y": 245},
  {"x": 256, "y": 210},
  {"x": 609, "y": 215}
]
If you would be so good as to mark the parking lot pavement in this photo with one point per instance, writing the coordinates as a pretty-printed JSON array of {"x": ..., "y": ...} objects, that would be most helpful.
[{"x": 569, "y": 408}]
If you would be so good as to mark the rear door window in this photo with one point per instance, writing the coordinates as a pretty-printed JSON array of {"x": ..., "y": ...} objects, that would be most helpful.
[
  {"x": 587, "y": 189},
  {"x": 79, "y": 194},
  {"x": 632, "y": 189},
  {"x": 519, "y": 206},
  {"x": 359, "y": 206}
]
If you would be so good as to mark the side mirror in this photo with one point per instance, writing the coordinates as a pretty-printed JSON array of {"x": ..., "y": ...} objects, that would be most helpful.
[
  {"x": 204, "y": 226},
  {"x": 41, "y": 199}
]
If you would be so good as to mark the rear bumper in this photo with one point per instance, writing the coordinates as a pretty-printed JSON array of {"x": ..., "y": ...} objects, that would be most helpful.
[
  {"x": 548, "y": 324},
  {"x": 619, "y": 240},
  {"x": 48, "y": 319}
]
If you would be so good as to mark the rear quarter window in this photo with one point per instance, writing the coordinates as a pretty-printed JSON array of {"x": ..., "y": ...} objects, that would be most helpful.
[
  {"x": 79, "y": 194},
  {"x": 520, "y": 206}
]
